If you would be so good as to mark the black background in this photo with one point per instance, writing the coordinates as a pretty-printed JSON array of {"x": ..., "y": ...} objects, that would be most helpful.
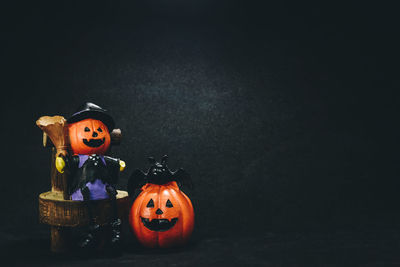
[{"x": 285, "y": 114}]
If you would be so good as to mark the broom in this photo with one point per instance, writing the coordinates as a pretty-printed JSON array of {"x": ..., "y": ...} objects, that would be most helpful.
[{"x": 57, "y": 129}]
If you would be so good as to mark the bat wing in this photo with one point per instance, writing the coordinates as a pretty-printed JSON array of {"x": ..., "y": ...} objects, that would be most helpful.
[
  {"x": 136, "y": 181},
  {"x": 183, "y": 178}
]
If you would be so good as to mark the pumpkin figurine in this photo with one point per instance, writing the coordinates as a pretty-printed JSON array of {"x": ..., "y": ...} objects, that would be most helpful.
[
  {"x": 161, "y": 215},
  {"x": 93, "y": 174}
]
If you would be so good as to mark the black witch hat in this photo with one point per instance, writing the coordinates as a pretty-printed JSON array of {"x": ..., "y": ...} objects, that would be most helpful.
[{"x": 92, "y": 111}]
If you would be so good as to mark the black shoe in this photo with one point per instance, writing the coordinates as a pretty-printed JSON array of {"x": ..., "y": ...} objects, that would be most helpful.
[
  {"x": 115, "y": 239},
  {"x": 89, "y": 239}
]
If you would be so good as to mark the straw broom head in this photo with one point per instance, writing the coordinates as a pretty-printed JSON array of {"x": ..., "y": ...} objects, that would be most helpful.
[{"x": 57, "y": 129}]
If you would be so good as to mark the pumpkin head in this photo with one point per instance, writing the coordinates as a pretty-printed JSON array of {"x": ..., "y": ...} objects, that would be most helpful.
[
  {"x": 89, "y": 136},
  {"x": 162, "y": 216}
]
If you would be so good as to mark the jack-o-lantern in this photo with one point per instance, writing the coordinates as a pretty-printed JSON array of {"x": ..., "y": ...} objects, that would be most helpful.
[
  {"x": 162, "y": 216},
  {"x": 89, "y": 136}
]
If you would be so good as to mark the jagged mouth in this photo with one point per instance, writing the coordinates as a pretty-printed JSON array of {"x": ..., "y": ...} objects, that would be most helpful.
[
  {"x": 94, "y": 142},
  {"x": 159, "y": 225}
]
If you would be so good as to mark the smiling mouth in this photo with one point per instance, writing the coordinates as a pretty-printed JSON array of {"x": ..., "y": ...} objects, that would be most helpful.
[
  {"x": 159, "y": 225},
  {"x": 94, "y": 142}
]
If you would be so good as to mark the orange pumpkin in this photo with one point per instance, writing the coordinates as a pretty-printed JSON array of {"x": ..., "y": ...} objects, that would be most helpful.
[
  {"x": 89, "y": 136},
  {"x": 162, "y": 216}
]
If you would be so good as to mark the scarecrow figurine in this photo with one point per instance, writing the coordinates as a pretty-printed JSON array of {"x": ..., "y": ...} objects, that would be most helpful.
[{"x": 93, "y": 175}]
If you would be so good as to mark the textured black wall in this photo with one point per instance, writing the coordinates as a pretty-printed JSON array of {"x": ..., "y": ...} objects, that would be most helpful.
[{"x": 285, "y": 115}]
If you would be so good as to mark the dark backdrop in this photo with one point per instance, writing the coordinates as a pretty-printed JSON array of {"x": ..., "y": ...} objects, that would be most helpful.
[{"x": 285, "y": 114}]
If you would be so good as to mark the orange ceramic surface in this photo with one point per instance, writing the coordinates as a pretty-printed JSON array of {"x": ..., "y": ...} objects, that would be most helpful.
[
  {"x": 89, "y": 136},
  {"x": 162, "y": 216}
]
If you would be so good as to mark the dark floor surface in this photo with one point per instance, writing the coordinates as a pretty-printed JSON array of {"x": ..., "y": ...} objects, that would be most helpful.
[{"x": 354, "y": 248}]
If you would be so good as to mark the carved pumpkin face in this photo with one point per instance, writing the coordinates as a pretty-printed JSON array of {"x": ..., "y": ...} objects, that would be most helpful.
[
  {"x": 162, "y": 216},
  {"x": 89, "y": 136}
]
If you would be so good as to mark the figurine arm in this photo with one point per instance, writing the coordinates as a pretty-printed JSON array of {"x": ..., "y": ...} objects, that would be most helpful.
[
  {"x": 114, "y": 166},
  {"x": 63, "y": 162},
  {"x": 115, "y": 163}
]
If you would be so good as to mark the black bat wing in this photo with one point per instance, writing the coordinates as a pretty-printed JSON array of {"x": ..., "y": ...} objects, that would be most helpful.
[
  {"x": 137, "y": 180},
  {"x": 183, "y": 178}
]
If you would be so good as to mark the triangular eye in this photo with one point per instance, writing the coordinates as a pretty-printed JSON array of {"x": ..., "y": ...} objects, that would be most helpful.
[
  {"x": 87, "y": 129},
  {"x": 150, "y": 204},
  {"x": 169, "y": 204},
  {"x": 99, "y": 130}
]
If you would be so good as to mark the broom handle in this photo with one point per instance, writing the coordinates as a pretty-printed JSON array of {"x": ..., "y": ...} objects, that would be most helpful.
[{"x": 59, "y": 182}]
